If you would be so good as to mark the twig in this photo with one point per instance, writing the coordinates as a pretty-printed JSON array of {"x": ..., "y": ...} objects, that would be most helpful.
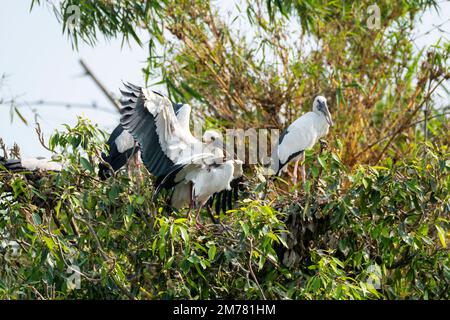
[
  {"x": 3, "y": 147},
  {"x": 251, "y": 270},
  {"x": 36, "y": 292},
  {"x": 15, "y": 151},
  {"x": 409, "y": 126},
  {"x": 97, "y": 241},
  {"x": 147, "y": 223},
  {"x": 41, "y": 137},
  {"x": 106, "y": 258},
  {"x": 69, "y": 105},
  {"x": 408, "y": 118},
  {"x": 74, "y": 226},
  {"x": 108, "y": 95},
  {"x": 429, "y": 31},
  {"x": 373, "y": 144},
  {"x": 273, "y": 261}
]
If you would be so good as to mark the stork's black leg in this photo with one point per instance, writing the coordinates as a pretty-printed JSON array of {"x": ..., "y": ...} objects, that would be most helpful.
[
  {"x": 218, "y": 203},
  {"x": 236, "y": 192},
  {"x": 229, "y": 199},
  {"x": 224, "y": 202},
  {"x": 208, "y": 209}
]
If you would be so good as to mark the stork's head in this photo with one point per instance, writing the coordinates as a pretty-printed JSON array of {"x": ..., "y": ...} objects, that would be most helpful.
[
  {"x": 212, "y": 137},
  {"x": 320, "y": 106}
]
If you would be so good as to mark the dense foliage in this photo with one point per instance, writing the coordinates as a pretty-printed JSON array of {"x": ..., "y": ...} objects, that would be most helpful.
[
  {"x": 378, "y": 232},
  {"x": 371, "y": 221}
]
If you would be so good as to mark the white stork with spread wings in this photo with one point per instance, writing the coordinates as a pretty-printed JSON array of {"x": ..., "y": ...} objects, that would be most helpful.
[{"x": 169, "y": 150}]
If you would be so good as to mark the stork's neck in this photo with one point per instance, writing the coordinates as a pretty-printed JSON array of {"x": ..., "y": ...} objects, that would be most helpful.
[
  {"x": 322, "y": 125},
  {"x": 319, "y": 113},
  {"x": 321, "y": 116}
]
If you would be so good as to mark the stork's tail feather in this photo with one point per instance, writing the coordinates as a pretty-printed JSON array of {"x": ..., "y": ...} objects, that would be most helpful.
[
  {"x": 116, "y": 161},
  {"x": 167, "y": 181},
  {"x": 226, "y": 199},
  {"x": 103, "y": 171}
]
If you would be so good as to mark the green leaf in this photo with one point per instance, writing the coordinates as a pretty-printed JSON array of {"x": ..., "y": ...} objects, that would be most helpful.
[
  {"x": 184, "y": 234},
  {"x": 113, "y": 193},
  {"x": 245, "y": 228},
  {"x": 365, "y": 183},
  {"x": 191, "y": 91},
  {"x": 322, "y": 162},
  {"x": 162, "y": 249},
  {"x": 49, "y": 242},
  {"x": 335, "y": 158},
  {"x": 314, "y": 284},
  {"x": 212, "y": 252},
  {"x": 140, "y": 200},
  {"x": 441, "y": 235},
  {"x": 36, "y": 219},
  {"x": 261, "y": 262},
  {"x": 86, "y": 165},
  {"x": 21, "y": 116},
  {"x": 314, "y": 171}
]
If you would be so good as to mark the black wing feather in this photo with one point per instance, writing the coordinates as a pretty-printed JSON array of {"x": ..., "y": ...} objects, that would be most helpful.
[
  {"x": 12, "y": 164},
  {"x": 141, "y": 124},
  {"x": 115, "y": 158}
]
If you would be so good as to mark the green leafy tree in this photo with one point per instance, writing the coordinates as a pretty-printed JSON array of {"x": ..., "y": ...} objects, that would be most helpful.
[
  {"x": 371, "y": 221},
  {"x": 263, "y": 65}
]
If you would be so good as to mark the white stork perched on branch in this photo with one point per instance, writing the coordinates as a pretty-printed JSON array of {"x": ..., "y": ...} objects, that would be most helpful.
[
  {"x": 171, "y": 153},
  {"x": 302, "y": 134}
]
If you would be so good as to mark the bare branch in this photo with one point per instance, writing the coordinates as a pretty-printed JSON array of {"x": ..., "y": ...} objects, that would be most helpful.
[{"x": 100, "y": 85}]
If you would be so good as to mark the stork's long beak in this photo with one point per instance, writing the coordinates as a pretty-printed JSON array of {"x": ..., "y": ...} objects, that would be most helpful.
[
  {"x": 218, "y": 143},
  {"x": 326, "y": 113},
  {"x": 328, "y": 117}
]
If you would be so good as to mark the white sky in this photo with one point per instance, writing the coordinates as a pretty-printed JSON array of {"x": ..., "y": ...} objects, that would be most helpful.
[{"x": 40, "y": 64}]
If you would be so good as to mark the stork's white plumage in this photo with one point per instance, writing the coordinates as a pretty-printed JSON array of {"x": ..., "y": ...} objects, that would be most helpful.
[
  {"x": 181, "y": 195},
  {"x": 302, "y": 134},
  {"x": 170, "y": 151},
  {"x": 124, "y": 142},
  {"x": 31, "y": 164}
]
